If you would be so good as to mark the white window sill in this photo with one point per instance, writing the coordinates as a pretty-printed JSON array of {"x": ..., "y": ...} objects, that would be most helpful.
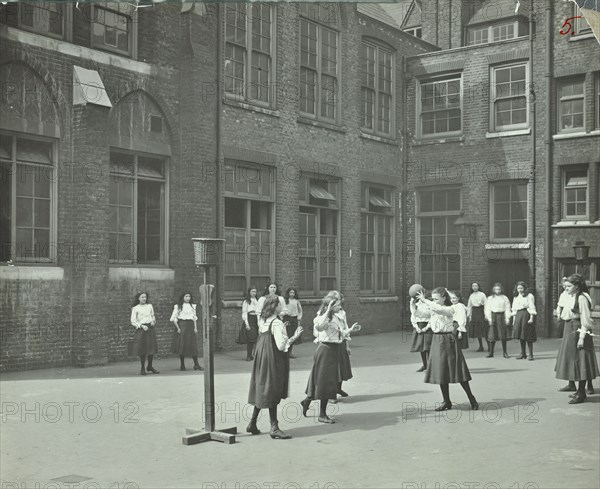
[
  {"x": 440, "y": 139},
  {"x": 502, "y": 134},
  {"x": 232, "y": 101},
  {"x": 139, "y": 273},
  {"x": 507, "y": 246},
  {"x": 375, "y": 137},
  {"x": 589, "y": 35},
  {"x": 370, "y": 300},
  {"x": 317, "y": 123},
  {"x": 573, "y": 135},
  {"x": 576, "y": 224},
  {"x": 31, "y": 272},
  {"x": 231, "y": 304},
  {"x": 74, "y": 50}
]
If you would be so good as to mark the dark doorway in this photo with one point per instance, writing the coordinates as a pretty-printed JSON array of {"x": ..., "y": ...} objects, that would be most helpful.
[{"x": 508, "y": 273}]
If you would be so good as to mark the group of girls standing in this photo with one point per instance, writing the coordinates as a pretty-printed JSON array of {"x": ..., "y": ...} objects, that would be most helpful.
[
  {"x": 270, "y": 373},
  {"x": 184, "y": 337},
  {"x": 290, "y": 312}
]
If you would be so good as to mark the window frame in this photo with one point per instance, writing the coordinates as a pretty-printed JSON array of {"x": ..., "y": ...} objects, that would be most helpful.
[
  {"x": 564, "y": 179},
  {"x": 245, "y": 96},
  {"x": 585, "y": 31},
  {"x": 489, "y": 29},
  {"x": 597, "y": 100},
  {"x": 389, "y": 214},
  {"x": 593, "y": 269},
  {"x": 414, "y": 31},
  {"x": 67, "y": 21},
  {"x": 560, "y": 84},
  {"x": 419, "y": 108},
  {"x": 164, "y": 241},
  {"x": 493, "y": 98},
  {"x": 305, "y": 179},
  {"x": 247, "y": 198},
  {"x": 132, "y": 31},
  {"x": 492, "y": 216},
  {"x": 53, "y": 190},
  {"x": 379, "y": 47},
  {"x": 335, "y": 27}
]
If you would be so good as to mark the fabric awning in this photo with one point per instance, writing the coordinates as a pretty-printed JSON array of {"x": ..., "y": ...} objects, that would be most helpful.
[
  {"x": 319, "y": 192},
  {"x": 379, "y": 201}
]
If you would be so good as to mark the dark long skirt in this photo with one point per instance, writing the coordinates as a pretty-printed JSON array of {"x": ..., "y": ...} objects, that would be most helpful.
[
  {"x": 421, "y": 341},
  {"x": 270, "y": 373},
  {"x": 463, "y": 343},
  {"x": 476, "y": 326},
  {"x": 522, "y": 329},
  {"x": 324, "y": 375},
  {"x": 184, "y": 343},
  {"x": 446, "y": 364},
  {"x": 246, "y": 336},
  {"x": 344, "y": 362},
  {"x": 573, "y": 364},
  {"x": 498, "y": 329},
  {"x": 145, "y": 341},
  {"x": 291, "y": 327}
]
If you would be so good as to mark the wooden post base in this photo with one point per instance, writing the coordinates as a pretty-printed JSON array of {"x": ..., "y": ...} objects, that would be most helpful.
[{"x": 192, "y": 437}]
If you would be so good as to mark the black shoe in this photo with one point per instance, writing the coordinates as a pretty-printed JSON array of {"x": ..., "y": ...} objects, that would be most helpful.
[
  {"x": 305, "y": 405},
  {"x": 590, "y": 391},
  {"x": 153, "y": 370},
  {"x": 578, "y": 399},
  {"x": 474, "y": 404},
  {"x": 249, "y": 359},
  {"x": 342, "y": 393},
  {"x": 293, "y": 356},
  {"x": 142, "y": 372},
  {"x": 198, "y": 367},
  {"x": 567, "y": 388},
  {"x": 326, "y": 419},
  {"x": 182, "y": 368},
  {"x": 490, "y": 355},
  {"x": 505, "y": 355},
  {"x": 422, "y": 369},
  {"x": 530, "y": 358},
  {"x": 480, "y": 349},
  {"x": 444, "y": 406},
  {"x": 252, "y": 428},
  {"x": 277, "y": 433},
  {"x": 522, "y": 356}
]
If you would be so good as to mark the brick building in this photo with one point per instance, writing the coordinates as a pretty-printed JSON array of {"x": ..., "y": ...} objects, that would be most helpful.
[{"x": 329, "y": 149}]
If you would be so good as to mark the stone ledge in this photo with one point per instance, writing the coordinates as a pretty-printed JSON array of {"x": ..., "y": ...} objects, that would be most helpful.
[
  {"x": 33, "y": 272},
  {"x": 372, "y": 300},
  {"x": 139, "y": 273}
]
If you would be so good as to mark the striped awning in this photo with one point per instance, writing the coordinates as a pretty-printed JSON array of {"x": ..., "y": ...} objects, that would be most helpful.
[
  {"x": 379, "y": 201},
  {"x": 319, "y": 192}
]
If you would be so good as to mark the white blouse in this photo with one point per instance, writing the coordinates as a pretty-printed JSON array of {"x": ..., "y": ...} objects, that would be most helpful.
[
  {"x": 441, "y": 319},
  {"x": 142, "y": 314},
  {"x": 188, "y": 312},
  {"x": 261, "y": 303},
  {"x": 460, "y": 316},
  {"x": 584, "y": 310},
  {"x": 497, "y": 303},
  {"x": 419, "y": 313},
  {"x": 476, "y": 299},
  {"x": 277, "y": 330},
  {"x": 249, "y": 308},
  {"x": 294, "y": 308},
  {"x": 326, "y": 331},
  {"x": 561, "y": 301},
  {"x": 520, "y": 302}
]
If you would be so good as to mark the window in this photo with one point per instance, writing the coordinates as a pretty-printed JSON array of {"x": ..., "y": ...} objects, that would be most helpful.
[
  {"x": 440, "y": 106},
  {"x": 509, "y": 209},
  {"x": 376, "y": 239},
  {"x": 114, "y": 28},
  {"x": 27, "y": 198},
  {"x": 439, "y": 245},
  {"x": 319, "y": 62},
  {"x": 137, "y": 208},
  {"x": 377, "y": 88},
  {"x": 47, "y": 18},
  {"x": 249, "y": 212},
  {"x": 575, "y": 191},
  {"x": 496, "y": 32},
  {"x": 571, "y": 112},
  {"x": 249, "y": 52},
  {"x": 581, "y": 26},
  {"x": 319, "y": 236},
  {"x": 591, "y": 272},
  {"x": 509, "y": 98},
  {"x": 415, "y": 31}
]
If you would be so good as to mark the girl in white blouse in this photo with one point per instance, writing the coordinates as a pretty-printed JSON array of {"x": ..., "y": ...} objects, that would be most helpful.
[
  {"x": 422, "y": 334},
  {"x": 143, "y": 320},
  {"x": 271, "y": 369},
  {"x": 250, "y": 317},
  {"x": 294, "y": 313},
  {"x": 476, "y": 315},
  {"x": 459, "y": 319},
  {"x": 185, "y": 320},
  {"x": 272, "y": 290},
  {"x": 524, "y": 312},
  {"x": 446, "y": 364},
  {"x": 576, "y": 358},
  {"x": 498, "y": 313}
]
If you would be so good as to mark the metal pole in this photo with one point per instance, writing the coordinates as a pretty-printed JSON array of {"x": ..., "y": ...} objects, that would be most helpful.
[{"x": 209, "y": 388}]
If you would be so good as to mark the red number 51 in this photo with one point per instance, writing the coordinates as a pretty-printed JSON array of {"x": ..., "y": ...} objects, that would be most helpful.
[{"x": 567, "y": 23}]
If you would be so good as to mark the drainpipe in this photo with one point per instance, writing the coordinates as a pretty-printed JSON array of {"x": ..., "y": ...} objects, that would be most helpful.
[
  {"x": 548, "y": 261},
  {"x": 532, "y": 171},
  {"x": 404, "y": 187},
  {"x": 219, "y": 172}
]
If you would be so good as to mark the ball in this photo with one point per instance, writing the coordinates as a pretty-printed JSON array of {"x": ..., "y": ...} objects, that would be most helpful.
[{"x": 415, "y": 289}]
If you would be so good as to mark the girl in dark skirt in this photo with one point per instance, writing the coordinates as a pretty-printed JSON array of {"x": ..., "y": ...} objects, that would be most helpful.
[
  {"x": 422, "y": 335},
  {"x": 271, "y": 369},
  {"x": 576, "y": 358},
  {"x": 185, "y": 320},
  {"x": 143, "y": 320},
  {"x": 325, "y": 374},
  {"x": 524, "y": 312},
  {"x": 250, "y": 318},
  {"x": 459, "y": 319},
  {"x": 476, "y": 316},
  {"x": 497, "y": 312},
  {"x": 447, "y": 364},
  {"x": 294, "y": 313}
]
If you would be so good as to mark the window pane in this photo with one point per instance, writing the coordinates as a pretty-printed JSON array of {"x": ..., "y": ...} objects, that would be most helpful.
[
  {"x": 235, "y": 213},
  {"x": 260, "y": 215},
  {"x": 24, "y": 208}
]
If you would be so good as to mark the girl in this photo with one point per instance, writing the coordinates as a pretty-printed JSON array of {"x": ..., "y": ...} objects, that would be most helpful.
[
  {"x": 185, "y": 320},
  {"x": 272, "y": 290},
  {"x": 576, "y": 358},
  {"x": 250, "y": 318},
  {"x": 324, "y": 376},
  {"x": 523, "y": 310},
  {"x": 446, "y": 361},
  {"x": 271, "y": 369},
  {"x": 143, "y": 320},
  {"x": 475, "y": 314},
  {"x": 294, "y": 314},
  {"x": 422, "y": 335},
  {"x": 497, "y": 313},
  {"x": 459, "y": 319}
]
